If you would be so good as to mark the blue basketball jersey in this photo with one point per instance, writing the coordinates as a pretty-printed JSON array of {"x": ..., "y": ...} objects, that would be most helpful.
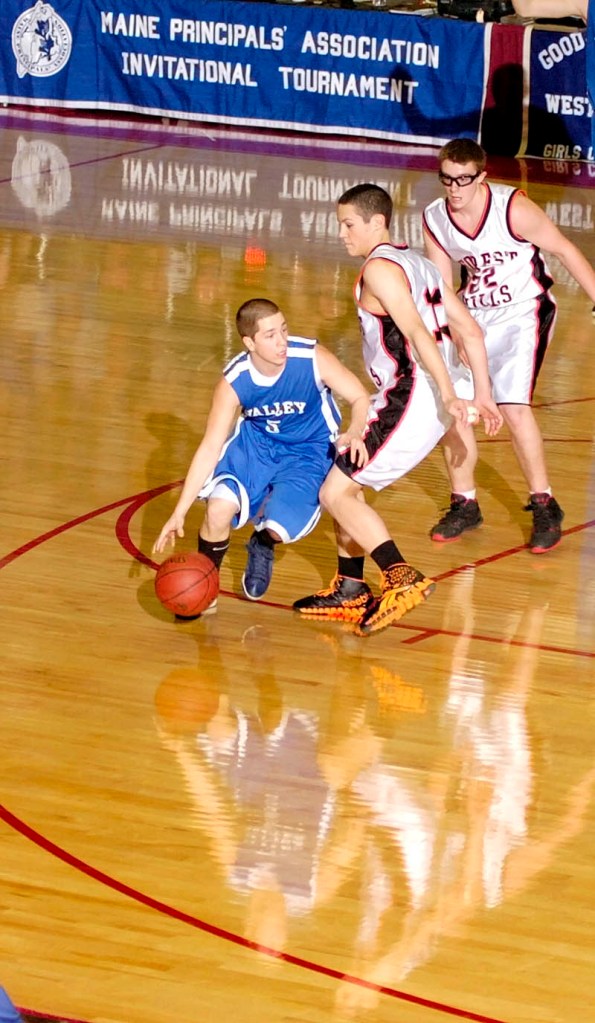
[{"x": 293, "y": 407}]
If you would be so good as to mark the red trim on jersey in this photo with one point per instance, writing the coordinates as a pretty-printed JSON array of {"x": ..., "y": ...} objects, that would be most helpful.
[
  {"x": 429, "y": 231},
  {"x": 482, "y": 219}
]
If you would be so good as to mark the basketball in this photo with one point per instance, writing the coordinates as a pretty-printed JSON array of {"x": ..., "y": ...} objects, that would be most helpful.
[{"x": 186, "y": 583}]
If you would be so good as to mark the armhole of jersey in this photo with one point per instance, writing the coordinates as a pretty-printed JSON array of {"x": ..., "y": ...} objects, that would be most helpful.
[
  {"x": 433, "y": 236},
  {"x": 513, "y": 234},
  {"x": 360, "y": 279},
  {"x": 316, "y": 369}
]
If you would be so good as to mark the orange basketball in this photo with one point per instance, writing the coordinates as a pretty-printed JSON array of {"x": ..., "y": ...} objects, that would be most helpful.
[{"x": 186, "y": 583}]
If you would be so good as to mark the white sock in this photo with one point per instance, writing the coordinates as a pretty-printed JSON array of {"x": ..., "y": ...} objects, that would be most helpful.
[{"x": 469, "y": 495}]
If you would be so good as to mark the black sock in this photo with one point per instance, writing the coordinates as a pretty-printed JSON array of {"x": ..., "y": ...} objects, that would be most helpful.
[
  {"x": 387, "y": 554},
  {"x": 264, "y": 538},
  {"x": 215, "y": 550},
  {"x": 353, "y": 568}
]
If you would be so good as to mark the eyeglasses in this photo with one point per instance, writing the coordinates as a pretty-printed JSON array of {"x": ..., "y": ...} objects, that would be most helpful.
[{"x": 460, "y": 182}]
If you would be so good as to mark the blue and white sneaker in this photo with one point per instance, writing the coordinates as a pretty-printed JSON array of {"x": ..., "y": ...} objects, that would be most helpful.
[{"x": 259, "y": 569}]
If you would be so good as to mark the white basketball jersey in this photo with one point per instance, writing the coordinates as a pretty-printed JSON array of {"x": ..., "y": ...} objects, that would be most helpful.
[
  {"x": 388, "y": 355},
  {"x": 497, "y": 267}
]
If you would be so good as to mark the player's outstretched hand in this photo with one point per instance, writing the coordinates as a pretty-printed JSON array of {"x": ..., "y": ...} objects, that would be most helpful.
[
  {"x": 173, "y": 527},
  {"x": 491, "y": 415},
  {"x": 358, "y": 452}
]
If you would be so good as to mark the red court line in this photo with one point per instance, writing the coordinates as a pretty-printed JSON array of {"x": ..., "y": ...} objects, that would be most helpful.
[
  {"x": 47, "y": 1016},
  {"x": 48, "y": 846},
  {"x": 94, "y": 159},
  {"x": 560, "y": 401},
  {"x": 509, "y": 552},
  {"x": 65, "y": 526},
  {"x": 481, "y": 638}
]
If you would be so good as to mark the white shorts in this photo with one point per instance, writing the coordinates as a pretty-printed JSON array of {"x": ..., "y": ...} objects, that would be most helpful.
[
  {"x": 516, "y": 339},
  {"x": 398, "y": 440}
]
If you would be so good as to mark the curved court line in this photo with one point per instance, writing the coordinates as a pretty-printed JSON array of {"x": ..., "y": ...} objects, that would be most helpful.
[
  {"x": 48, "y": 846},
  {"x": 65, "y": 526},
  {"x": 123, "y": 523}
]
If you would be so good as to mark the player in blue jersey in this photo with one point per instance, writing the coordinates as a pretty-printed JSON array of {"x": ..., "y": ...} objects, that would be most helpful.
[{"x": 271, "y": 437}]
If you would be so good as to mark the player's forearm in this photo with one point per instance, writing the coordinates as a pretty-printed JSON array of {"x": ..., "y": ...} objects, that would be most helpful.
[
  {"x": 434, "y": 364},
  {"x": 478, "y": 362},
  {"x": 201, "y": 467},
  {"x": 580, "y": 268},
  {"x": 359, "y": 416}
]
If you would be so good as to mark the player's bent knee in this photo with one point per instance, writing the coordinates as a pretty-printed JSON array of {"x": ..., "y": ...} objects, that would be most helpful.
[
  {"x": 335, "y": 489},
  {"x": 219, "y": 515},
  {"x": 516, "y": 415}
]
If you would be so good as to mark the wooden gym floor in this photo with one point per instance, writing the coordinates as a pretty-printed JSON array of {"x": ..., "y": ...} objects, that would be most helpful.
[{"x": 254, "y": 817}]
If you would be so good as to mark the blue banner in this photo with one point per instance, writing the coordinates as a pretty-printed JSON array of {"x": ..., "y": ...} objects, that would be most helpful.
[
  {"x": 399, "y": 77},
  {"x": 560, "y": 111}
]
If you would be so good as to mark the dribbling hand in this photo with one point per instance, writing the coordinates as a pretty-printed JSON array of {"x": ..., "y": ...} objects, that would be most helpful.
[{"x": 173, "y": 528}]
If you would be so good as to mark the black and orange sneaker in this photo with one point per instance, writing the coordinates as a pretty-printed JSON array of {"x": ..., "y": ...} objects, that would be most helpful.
[
  {"x": 464, "y": 513},
  {"x": 403, "y": 588},
  {"x": 345, "y": 600},
  {"x": 547, "y": 523}
]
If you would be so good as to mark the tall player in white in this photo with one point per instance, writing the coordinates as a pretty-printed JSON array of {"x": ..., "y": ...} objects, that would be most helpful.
[{"x": 495, "y": 233}]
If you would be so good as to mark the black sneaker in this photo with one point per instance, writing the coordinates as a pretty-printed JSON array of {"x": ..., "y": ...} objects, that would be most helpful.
[
  {"x": 259, "y": 569},
  {"x": 547, "y": 520},
  {"x": 464, "y": 513},
  {"x": 345, "y": 600}
]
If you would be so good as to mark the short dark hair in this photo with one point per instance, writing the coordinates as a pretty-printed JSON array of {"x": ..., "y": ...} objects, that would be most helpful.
[
  {"x": 251, "y": 312},
  {"x": 369, "y": 200},
  {"x": 463, "y": 151}
]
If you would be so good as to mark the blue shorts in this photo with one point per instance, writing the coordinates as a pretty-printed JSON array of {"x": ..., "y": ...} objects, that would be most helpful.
[{"x": 275, "y": 484}]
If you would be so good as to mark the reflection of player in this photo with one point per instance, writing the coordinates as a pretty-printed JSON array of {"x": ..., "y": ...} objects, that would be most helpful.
[
  {"x": 269, "y": 443},
  {"x": 462, "y": 828},
  {"x": 259, "y": 786},
  {"x": 495, "y": 233}
]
